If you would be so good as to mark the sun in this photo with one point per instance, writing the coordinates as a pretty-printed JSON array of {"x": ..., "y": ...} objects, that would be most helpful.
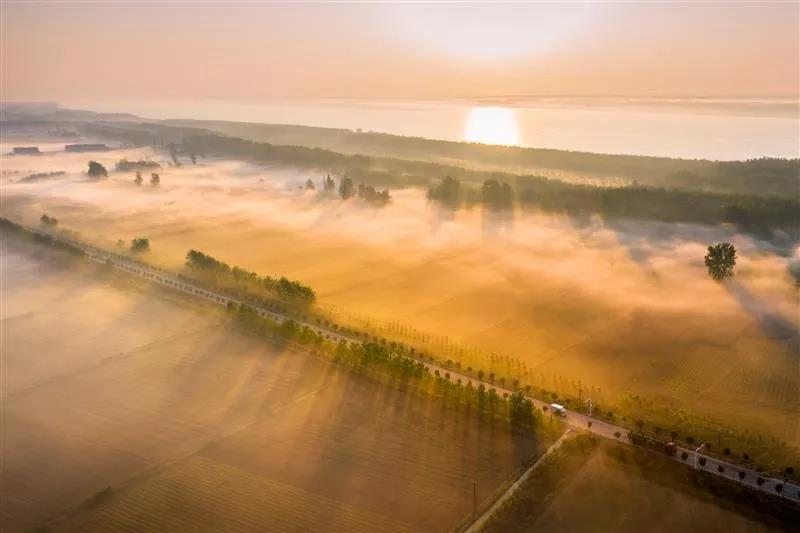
[{"x": 492, "y": 125}]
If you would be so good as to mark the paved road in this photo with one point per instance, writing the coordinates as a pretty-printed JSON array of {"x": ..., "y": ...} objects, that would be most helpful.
[
  {"x": 572, "y": 418},
  {"x": 478, "y": 524},
  {"x": 602, "y": 428}
]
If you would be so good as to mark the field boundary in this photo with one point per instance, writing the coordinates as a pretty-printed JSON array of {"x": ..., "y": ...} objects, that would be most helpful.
[{"x": 480, "y": 521}]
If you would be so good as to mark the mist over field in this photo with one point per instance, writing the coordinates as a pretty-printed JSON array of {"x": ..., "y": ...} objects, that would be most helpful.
[
  {"x": 419, "y": 267},
  {"x": 605, "y": 258},
  {"x": 565, "y": 296}
]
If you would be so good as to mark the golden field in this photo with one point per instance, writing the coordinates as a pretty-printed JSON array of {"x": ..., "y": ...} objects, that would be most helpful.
[
  {"x": 193, "y": 424},
  {"x": 589, "y": 485},
  {"x": 614, "y": 308}
]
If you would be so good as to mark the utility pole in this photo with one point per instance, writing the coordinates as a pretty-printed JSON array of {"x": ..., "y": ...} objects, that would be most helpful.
[{"x": 695, "y": 454}]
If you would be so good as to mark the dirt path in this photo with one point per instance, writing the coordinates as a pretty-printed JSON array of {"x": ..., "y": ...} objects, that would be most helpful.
[{"x": 478, "y": 524}]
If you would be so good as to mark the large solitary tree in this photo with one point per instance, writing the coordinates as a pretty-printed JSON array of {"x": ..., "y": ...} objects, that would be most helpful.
[{"x": 720, "y": 260}]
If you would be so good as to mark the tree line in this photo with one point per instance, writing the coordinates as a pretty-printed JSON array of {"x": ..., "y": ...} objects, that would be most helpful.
[
  {"x": 760, "y": 177},
  {"x": 223, "y": 274},
  {"x": 347, "y": 190},
  {"x": 373, "y": 358},
  {"x": 637, "y": 202},
  {"x": 688, "y": 198},
  {"x": 123, "y": 165}
]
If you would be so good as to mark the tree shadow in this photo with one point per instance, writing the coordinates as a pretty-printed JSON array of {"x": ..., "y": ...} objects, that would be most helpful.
[
  {"x": 496, "y": 222},
  {"x": 771, "y": 322}
]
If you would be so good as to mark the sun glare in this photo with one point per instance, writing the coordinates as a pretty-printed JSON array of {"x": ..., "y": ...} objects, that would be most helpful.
[{"x": 492, "y": 125}]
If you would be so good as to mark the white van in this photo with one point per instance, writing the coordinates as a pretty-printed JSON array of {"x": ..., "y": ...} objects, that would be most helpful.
[{"x": 558, "y": 409}]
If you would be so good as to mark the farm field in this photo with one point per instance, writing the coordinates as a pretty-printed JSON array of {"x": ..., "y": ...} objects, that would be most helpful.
[
  {"x": 178, "y": 408},
  {"x": 617, "y": 308},
  {"x": 605, "y": 486},
  {"x": 605, "y": 497}
]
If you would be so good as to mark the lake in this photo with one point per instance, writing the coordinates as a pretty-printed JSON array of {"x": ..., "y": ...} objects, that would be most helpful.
[{"x": 721, "y": 129}]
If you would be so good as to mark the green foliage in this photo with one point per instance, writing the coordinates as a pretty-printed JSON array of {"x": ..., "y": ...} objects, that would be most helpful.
[
  {"x": 140, "y": 244},
  {"x": 97, "y": 170},
  {"x": 720, "y": 260},
  {"x": 197, "y": 259},
  {"x": 123, "y": 165},
  {"x": 759, "y": 177},
  {"x": 707, "y": 192},
  {"x": 173, "y": 154},
  {"x": 222, "y": 274},
  {"x": 48, "y": 221},
  {"x": 380, "y": 359},
  {"x": 766, "y": 176},
  {"x": 39, "y": 176},
  {"x": 652, "y": 203},
  {"x": 497, "y": 195},
  {"x": 373, "y": 197},
  {"x": 346, "y": 189},
  {"x": 40, "y": 238},
  {"x": 521, "y": 410},
  {"x": 447, "y": 191}
]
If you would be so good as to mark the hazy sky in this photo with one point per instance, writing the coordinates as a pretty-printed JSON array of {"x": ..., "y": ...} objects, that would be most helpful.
[{"x": 130, "y": 50}]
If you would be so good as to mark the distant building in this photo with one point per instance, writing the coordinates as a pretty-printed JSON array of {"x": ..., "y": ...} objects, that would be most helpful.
[
  {"x": 30, "y": 150},
  {"x": 86, "y": 148}
]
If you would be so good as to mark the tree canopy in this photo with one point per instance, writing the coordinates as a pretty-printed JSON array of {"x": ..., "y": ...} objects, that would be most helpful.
[
  {"x": 448, "y": 192},
  {"x": 97, "y": 170},
  {"x": 328, "y": 184},
  {"x": 346, "y": 189},
  {"x": 123, "y": 165},
  {"x": 497, "y": 194},
  {"x": 720, "y": 260},
  {"x": 222, "y": 274},
  {"x": 47, "y": 220},
  {"x": 140, "y": 244}
]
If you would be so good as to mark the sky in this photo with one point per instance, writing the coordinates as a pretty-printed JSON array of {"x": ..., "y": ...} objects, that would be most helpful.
[{"x": 263, "y": 50}]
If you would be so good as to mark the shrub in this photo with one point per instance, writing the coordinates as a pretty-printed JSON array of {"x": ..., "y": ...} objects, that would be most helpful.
[
  {"x": 140, "y": 244},
  {"x": 97, "y": 170},
  {"x": 48, "y": 220}
]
